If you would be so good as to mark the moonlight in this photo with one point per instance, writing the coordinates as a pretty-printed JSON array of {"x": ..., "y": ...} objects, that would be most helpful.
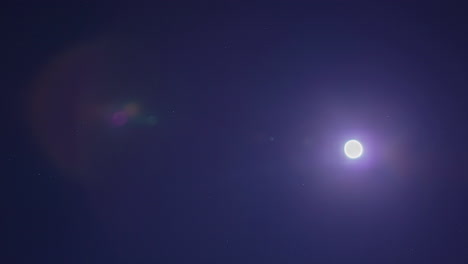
[{"x": 353, "y": 149}]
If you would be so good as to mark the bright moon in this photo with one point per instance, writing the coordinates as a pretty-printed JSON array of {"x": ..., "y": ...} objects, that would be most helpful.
[{"x": 353, "y": 149}]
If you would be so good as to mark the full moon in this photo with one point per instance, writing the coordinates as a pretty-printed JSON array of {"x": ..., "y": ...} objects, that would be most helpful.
[{"x": 353, "y": 149}]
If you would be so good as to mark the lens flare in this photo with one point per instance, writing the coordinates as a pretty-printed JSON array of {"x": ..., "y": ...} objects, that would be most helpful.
[{"x": 119, "y": 118}]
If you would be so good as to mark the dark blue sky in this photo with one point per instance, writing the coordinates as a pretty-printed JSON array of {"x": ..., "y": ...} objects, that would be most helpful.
[{"x": 213, "y": 133}]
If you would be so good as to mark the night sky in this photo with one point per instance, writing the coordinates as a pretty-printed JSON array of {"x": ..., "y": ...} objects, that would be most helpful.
[{"x": 169, "y": 132}]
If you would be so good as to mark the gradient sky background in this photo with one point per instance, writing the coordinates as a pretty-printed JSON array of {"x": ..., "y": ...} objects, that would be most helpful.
[{"x": 214, "y": 133}]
